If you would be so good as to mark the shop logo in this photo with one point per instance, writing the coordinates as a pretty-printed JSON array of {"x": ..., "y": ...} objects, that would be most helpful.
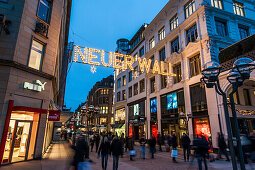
[{"x": 37, "y": 86}]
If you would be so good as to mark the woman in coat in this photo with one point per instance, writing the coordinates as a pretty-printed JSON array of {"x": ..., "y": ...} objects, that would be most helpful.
[{"x": 104, "y": 149}]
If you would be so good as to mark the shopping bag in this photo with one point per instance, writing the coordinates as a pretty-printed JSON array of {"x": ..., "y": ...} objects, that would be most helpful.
[
  {"x": 84, "y": 166},
  {"x": 174, "y": 153},
  {"x": 132, "y": 153}
]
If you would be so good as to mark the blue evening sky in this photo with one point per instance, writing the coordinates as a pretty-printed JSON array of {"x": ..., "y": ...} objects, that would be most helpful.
[{"x": 99, "y": 24}]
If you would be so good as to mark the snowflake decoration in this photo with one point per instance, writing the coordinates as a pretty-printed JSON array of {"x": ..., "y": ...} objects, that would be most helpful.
[
  {"x": 93, "y": 69},
  {"x": 169, "y": 79},
  {"x": 135, "y": 74}
]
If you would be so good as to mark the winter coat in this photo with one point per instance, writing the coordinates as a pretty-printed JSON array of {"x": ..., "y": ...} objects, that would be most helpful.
[
  {"x": 81, "y": 151},
  {"x": 116, "y": 147},
  {"x": 174, "y": 141},
  {"x": 142, "y": 142},
  {"x": 104, "y": 148},
  {"x": 185, "y": 141},
  {"x": 152, "y": 142},
  {"x": 221, "y": 142},
  {"x": 201, "y": 146}
]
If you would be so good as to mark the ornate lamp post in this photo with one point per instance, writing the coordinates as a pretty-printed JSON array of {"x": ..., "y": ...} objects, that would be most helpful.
[{"x": 211, "y": 79}]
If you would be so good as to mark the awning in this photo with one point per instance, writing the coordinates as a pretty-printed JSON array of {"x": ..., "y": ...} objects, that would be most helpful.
[{"x": 117, "y": 126}]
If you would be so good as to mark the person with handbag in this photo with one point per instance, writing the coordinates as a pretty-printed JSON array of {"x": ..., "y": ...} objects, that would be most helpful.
[
  {"x": 116, "y": 150},
  {"x": 104, "y": 151},
  {"x": 174, "y": 145}
]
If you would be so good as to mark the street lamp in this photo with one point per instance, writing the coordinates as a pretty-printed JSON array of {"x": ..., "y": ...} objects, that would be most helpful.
[{"x": 210, "y": 77}]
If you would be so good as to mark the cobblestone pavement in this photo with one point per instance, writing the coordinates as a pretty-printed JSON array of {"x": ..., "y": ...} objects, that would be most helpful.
[{"x": 60, "y": 155}]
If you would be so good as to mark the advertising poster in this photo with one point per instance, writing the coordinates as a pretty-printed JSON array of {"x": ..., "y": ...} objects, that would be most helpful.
[
  {"x": 153, "y": 105},
  {"x": 172, "y": 101},
  {"x": 136, "y": 109},
  {"x": 154, "y": 130},
  {"x": 202, "y": 127}
]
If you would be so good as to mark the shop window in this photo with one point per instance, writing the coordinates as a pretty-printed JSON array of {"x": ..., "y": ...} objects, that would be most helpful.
[
  {"x": 141, "y": 51},
  {"x": 123, "y": 94},
  {"x": 161, "y": 34},
  {"x": 189, "y": 8},
  {"x": 153, "y": 84},
  {"x": 136, "y": 89},
  {"x": 221, "y": 28},
  {"x": 142, "y": 86},
  {"x": 178, "y": 71},
  {"x": 36, "y": 55},
  {"x": 44, "y": 10},
  {"x": 246, "y": 95},
  {"x": 163, "y": 81},
  {"x": 244, "y": 31},
  {"x": 151, "y": 43},
  {"x": 175, "y": 45},
  {"x": 162, "y": 55},
  {"x": 124, "y": 80},
  {"x": 195, "y": 65},
  {"x": 217, "y": 4},
  {"x": 191, "y": 34},
  {"x": 238, "y": 8},
  {"x": 130, "y": 91},
  {"x": 174, "y": 22}
]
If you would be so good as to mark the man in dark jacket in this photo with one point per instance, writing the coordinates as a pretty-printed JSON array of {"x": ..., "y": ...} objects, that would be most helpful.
[
  {"x": 174, "y": 144},
  {"x": 222, "y": 147},
  {"x": 116, "y": 150},
  {"x": 104, "y": 150},
  {"x": 159, "y": 141},
  {"x": 152, "y": 144},
  {"x": 201, "y": 149},
  {"x": 186, "y": 146},
  {"x": 97, "y": 140}
]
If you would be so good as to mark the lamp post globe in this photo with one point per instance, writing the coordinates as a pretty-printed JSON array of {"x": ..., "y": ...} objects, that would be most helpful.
[
  {"x": 244, "y": 66},
  {"x": 235, "y": 78},
  {"x": 211, "y": 70}
]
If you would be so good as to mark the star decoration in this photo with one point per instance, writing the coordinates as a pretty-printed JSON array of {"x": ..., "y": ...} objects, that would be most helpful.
[
  {"x": 169, "y": 79},
  {"x": 93, "y": 69},
  {"x": 135, "y": 74}
]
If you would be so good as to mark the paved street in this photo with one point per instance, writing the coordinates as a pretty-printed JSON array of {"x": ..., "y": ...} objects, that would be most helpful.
[{"x": 60, "y": 156}]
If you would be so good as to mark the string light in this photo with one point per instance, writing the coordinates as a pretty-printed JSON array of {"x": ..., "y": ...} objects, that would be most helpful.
[
  {"x": 128, "y": 63},
  {"x": 135, "y": 75},
  {"x": 91, "y": 56},
  {"x": 93, "y": 69},
  {"x": 156, "y": 67},
  {"x": 144, "y": 64},
  {"x": 102, "y": 59},
  {"x": 117, "y": 61}
]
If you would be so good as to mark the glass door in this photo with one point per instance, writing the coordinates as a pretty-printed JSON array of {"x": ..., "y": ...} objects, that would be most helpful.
[{"x": 20, "y": 141}]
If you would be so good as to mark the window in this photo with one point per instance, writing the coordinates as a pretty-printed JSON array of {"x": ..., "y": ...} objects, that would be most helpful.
[
  {"x": 36, "y": 55},
  {"x": 152, "y": 62},
  {"x": 175, "y": 45},
  {"x": 153, "y": 85},
  {"x": 118, "y": 83},
  {"x": 136, "y": 89},
  {"x": 217, "y": 4},
  {"x": 151, "y": 43},
  {"x": 163, "y": 81},
  {"x": 221, "y": 28},
  {"x": 118, "y": 96},
  {"x": 123, "y": 94},
  {"x": 161, "y": 34},
  {"x": 124, "y": 80},
  {"x": 44, "y": 10},
  {"x": 130, "y": 92},
  {"x": 191, "y": 34},
  {"x": 162, "y": 55},
  {"x": 246, "y": 96},
  {"x": 130, "y": 76},
  {"x": 195, "y": 65},
  {"x": 189, "y": 8},
  {"x": 238, "y": 8},
  {"x": 174, "y": 23},
  {"x": 141, "y": 51},
  {"x": 142, "y": 87},
  {"x": 244, "y": 31},
  {"x": 178, "y": 71}
]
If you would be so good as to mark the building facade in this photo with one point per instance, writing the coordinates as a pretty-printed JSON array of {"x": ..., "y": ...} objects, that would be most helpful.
[
  {"x": 186, "y": 34},
  {"x": 33, "y": 35}
]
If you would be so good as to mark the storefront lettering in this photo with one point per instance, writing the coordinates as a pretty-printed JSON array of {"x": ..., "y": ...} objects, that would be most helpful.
[{"x": 38, "y": 86}]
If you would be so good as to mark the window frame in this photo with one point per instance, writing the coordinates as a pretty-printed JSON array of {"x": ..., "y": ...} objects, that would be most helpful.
[
  {"x": 240, "y": 7},
  {"x": 124, "y": 80},
  {"x": 141, "y": 49},
  {"x": 219, "y": 4},
  {"x": 161, "y": 33},
  {"x": 43, "y": 53},
  {"x": 136, "y": 92},
  {"x": 174, "y": 21},
  {"x": 173, "y": 43},
  {"x": 50, "y": 13},
  {"x": 187, "y": 8},
  {"x": 196, "y": 70},
  {"x": 188, "y": 32},
  {"x": 140, "y": 86},
  {"x": 152, "y": 90},
  {"x": 177, "y": 69},
  {"x": 152, "y": 43},
  {"x": 160, "y": 54},
  {"x": 243, "y": 27},
  {"x": 130, "y": 91},
  {"x": 218, "y": 26}
]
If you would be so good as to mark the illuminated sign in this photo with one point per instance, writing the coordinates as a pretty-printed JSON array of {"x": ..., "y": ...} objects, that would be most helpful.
[
  {"x": 172, "y": 101},
  {"x": 38, "y": 86},
  {"x": 120, "y": 61}
]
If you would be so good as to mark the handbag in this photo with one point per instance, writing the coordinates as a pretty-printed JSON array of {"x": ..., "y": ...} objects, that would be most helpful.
[
  {"x": 174, "y": 153},
  {"x": 84, "y": 166},
  {"x": 132, "y": 153}
]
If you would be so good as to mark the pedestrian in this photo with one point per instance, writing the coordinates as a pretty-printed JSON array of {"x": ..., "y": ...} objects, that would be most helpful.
[
  {"x": 122, "y": 139},
  {"x": 159, "y": 140},
  {"x": 116, "y": 150},
  {"x": 186, "y": 146},
  {"x": 81, "y": 151},
  {"x": 132, "y": 152},
  {"x": 201, "y": 149},
  {"x": 152, "y": 145},
  {"x": 169, "y": 142},
  {"x": 104, "y": 151},
  {"x": 174, "y": 145},
  {"x": 222, "y": 147},
  {"x": 97, "y": 141},
  {"x": 142, "y": 144},
  {"x": 91, "y": 143}
]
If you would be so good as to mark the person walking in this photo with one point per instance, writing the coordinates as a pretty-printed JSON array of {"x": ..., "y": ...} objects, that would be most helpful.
[
  {"x": 131, "y": 148},
  {"x": 104, "y": 150},
  {"x": 81, "y": 151},
  {"x": 169, "y": 142},
  {"x": 159, "y": 140},
  {"x": 201, "y": 149},
  {"x": 222, "y": 147},
  {"x": 97, "y": 141},
  {"x": 142, "y": 144},
  {"x": 174, "y": 145},
  {"x": 186, "y": 146},
  {"x": 152, "y": 145},
  {"x": 116, "y": 150},
  {"x": 122, "y": 139},
  {"x": 92, "y": 141}
]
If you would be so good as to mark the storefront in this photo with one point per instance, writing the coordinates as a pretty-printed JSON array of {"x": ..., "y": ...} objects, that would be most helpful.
[
  {"x": 153, "y": 122},
  {"x": 20, "y": 133},
  {"x": 172, "y": 121}
]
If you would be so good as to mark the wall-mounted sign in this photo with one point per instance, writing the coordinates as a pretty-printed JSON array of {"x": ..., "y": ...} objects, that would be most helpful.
[
  {"x": 54, "y": 115},
  {"x": 120, "y": 61},
  {"x": 37, "y": 86}
]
